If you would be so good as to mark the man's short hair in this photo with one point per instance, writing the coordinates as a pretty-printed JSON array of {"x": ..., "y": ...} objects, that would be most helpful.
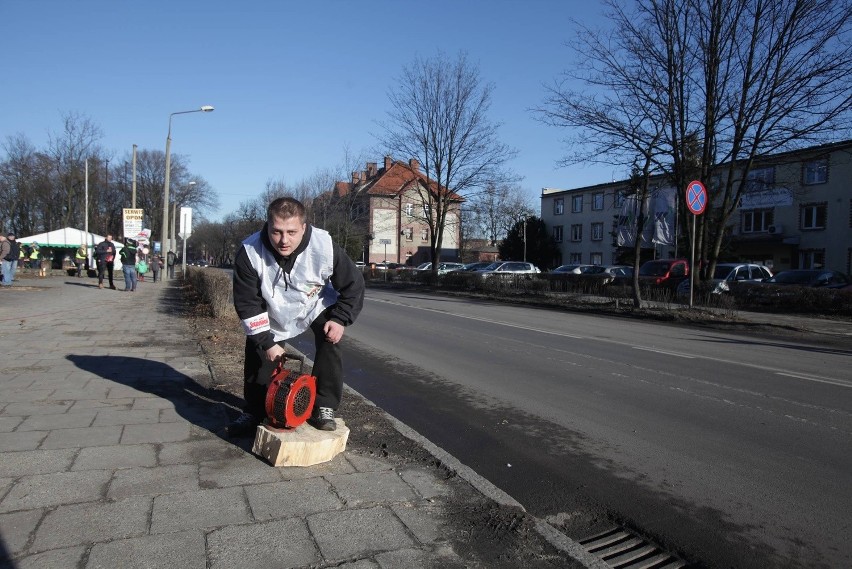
[{"x": 285, "y": 208}]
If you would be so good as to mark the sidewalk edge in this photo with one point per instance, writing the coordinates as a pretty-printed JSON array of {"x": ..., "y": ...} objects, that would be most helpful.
[{"x": 552, "y": 535}]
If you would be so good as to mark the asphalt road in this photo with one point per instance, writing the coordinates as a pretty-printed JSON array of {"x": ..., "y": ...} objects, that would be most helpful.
[{"x": 729, "y": 450}]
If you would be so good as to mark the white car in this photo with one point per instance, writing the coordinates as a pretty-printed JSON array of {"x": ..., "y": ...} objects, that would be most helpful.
[{"x": 507, "y": 268}]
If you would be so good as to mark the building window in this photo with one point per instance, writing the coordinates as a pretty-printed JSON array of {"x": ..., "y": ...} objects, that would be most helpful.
[
  {"x": 424, "y": 235},
  {"x": 575, "y": 258},
  {"x": 577, "y": 232},
  {"x": 760, "y": 179},
  {"x": 812, "y": 215},
  {"x": 597, "y": 258},
  {"x": 598, "y": 201},
  {"x": 618, "y": 199},
  {"x": 577, "y": 204},
  {"x": 597, "y": 231},
  {"x": 757, "y": 220},
  {"x": 811, "y": 258},
  {"x": 815, "y": 172},
  {"x": 427, "y": 211},
  {"x": 557, "y": 233},
  {"x": 409, "y": 233},
  {"x": 558, "y": 206},
  {"x": 409, "y": 210}
]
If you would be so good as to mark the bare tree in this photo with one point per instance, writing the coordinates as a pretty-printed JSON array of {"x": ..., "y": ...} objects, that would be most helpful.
[
  {"x": 18, "y": 174},
  {"x": 68, "y": 151},
  {"x": 439, "y": 116},
  {"x": 723, "y": 83}
]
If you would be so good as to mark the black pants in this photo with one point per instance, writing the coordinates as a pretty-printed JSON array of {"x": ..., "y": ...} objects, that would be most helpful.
[
  {"x": 108, "y": 267},
  {"x": 328, "y": 369}
]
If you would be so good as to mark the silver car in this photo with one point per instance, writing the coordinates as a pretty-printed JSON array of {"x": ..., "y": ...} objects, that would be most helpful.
[
  {"x": 727, "y": 273},
  {"x": 507, "y": 268}
]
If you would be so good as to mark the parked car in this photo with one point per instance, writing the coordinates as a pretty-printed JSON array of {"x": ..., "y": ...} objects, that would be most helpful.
[
  {"x": 664, "y": 273},
  {"x": 727, "y": 274},
  {"x": 360, "y": 264},
  {"x": 478, "y": 266},
  {"x": 575, "y": 269},
  {"x": 384, "y": 266},
  {"x": 810, "y": 278},
  {"x": 444, "y": 268},
  {"x": 508, "y": 268},
  {"x": 601, "y": 275}
]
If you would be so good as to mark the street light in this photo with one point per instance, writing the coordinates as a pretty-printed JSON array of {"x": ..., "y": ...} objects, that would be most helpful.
[{"x": 204, "y": 109}]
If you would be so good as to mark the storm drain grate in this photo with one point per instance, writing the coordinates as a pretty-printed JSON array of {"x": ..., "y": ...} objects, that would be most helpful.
[{"x": 621, "y": 549}]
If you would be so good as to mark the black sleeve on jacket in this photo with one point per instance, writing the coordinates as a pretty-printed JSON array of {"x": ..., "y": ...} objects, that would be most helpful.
[
  {"x": 248, "y": 300},
  {"x": 348, "y": 281}
]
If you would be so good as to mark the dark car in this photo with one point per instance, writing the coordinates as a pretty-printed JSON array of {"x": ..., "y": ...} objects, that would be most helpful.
[
  {"x": 810, "y": 278},
  {"x": 664, "y": 273}
]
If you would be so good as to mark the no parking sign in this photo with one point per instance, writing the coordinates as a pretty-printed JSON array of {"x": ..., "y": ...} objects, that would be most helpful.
[{"x": 696, "y": 197}]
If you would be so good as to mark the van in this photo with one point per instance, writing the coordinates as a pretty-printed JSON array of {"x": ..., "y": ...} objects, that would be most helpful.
[{"x": 664, "y": 273}]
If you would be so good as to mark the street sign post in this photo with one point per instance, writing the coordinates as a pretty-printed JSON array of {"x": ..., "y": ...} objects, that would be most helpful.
[
  {"x": 185, "y": 232},
  {"x": 385, "y": 242},
  {"x": 696, "y": 203}
]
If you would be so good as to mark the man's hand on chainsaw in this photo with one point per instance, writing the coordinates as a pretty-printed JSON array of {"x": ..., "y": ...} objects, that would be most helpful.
[
  {"x": 333, "y": 331},
  {"x": 275, "y": 353}
]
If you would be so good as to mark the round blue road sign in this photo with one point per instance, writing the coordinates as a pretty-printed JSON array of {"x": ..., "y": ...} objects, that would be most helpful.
[{"x": 696, "y": 197}]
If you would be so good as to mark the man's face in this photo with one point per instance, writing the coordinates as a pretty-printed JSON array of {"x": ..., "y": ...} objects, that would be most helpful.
[
  {"x": 285, "y": 234},
  {"x": 109, "y": 238}
]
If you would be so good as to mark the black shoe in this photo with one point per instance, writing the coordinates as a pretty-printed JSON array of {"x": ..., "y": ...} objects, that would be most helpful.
[
  {"x": 323, "y": 419},
  {"x": 243, "y": 426}
]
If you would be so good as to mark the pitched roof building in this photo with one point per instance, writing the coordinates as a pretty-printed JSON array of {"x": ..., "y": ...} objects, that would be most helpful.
[{"x": 393, "y": 206}]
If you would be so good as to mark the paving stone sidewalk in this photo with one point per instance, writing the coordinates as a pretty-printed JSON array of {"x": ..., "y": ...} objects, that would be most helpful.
[{"x": 109, "y": 457}]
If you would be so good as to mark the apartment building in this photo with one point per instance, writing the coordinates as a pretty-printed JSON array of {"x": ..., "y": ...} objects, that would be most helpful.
[
  {"x": 796, "y": 213},
  {"x": 395, "y": 212}
]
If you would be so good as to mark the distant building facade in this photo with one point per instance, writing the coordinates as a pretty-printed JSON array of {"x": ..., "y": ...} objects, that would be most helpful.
[
  {"x": 797, "y": 213},
  {"x": 393, "y": 213}
]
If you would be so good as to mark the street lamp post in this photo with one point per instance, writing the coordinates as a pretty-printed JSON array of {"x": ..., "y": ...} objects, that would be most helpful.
[{"x": 165, "y": 239}]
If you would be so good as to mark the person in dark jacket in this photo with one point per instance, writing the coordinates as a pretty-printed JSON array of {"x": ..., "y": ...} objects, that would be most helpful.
[
  {"x": 11, "y": 251},
  {"x": 128, "y": 264},
  {"x": 288, "y": 277},
  {"x": 105, "y": 257}
]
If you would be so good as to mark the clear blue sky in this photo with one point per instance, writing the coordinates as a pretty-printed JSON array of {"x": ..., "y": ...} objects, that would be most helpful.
[{"x": 292, "y": 82}]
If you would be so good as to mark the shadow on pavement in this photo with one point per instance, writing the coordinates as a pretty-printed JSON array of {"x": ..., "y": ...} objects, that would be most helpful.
[
  {"x": 5, "y": 558},
  {"x": 209, "y": 409}
]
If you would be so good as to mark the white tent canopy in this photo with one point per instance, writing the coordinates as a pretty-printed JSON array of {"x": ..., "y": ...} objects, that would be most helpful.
[
  {"x": 65, "y": 237},
  {"x": 69, "y": 237}
]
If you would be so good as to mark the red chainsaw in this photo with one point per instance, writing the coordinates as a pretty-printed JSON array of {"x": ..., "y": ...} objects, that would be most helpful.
[{"x": 290, "y": 397}]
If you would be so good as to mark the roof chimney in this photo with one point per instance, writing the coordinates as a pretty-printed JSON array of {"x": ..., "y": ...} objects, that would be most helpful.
[
  {"x": 356, "y": 176},
  {"x": 372, "y": 169},
  {"x": 388, "y": 162},
  {"x": 414, "y": 163}
]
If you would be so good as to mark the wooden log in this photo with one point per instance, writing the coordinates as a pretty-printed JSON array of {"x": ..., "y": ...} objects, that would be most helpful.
[{"x": 302, "y": 446}]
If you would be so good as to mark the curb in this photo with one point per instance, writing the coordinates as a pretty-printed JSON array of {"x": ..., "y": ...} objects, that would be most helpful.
[{"x": 553, "y": 536}]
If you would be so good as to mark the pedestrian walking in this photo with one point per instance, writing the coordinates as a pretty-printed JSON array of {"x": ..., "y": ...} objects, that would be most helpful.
[
  {"x": 171, "y": 259},
  {"x": 156, "y": 265},
  {"x": 80, "y": 258},
  {"x": 127, "y": 255},
  {"x": 105, "y": 257},
  {"x": 9, "y": 251}
]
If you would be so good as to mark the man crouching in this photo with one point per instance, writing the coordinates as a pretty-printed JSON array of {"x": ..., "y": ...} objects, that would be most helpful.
[{"x": 288, "y": 277}]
